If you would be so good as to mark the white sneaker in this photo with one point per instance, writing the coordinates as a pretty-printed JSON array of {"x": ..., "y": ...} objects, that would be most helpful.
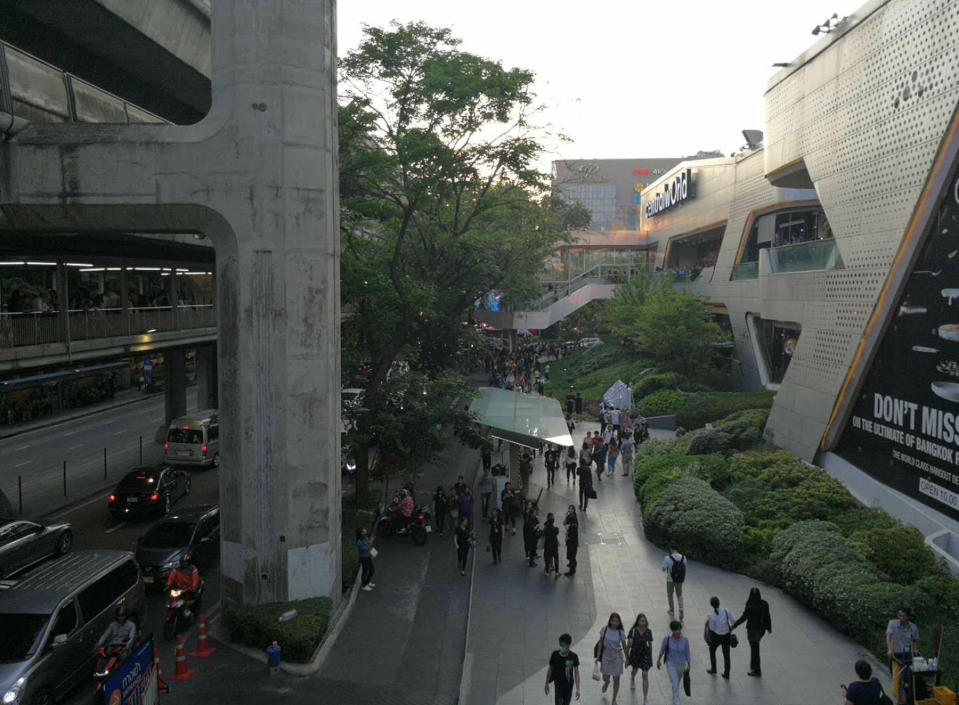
[
  {"x": 372, "y": 584},
  {"x": 368, "y": 588}
]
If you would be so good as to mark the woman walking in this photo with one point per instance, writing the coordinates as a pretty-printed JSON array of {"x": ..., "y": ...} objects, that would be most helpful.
[
  {"x": 440, "y": 508},
  {"x": 626, "y": 450},
  {"x": 496, "y": 535},
  {"x": 585, "y": 485},
  {"x": 610, "y": 652},
  {"x": 466, "y": 505},
  {"x": 551, "y": 545},
  {"x": 530, "y": 532},
  {"x": 611, "y": 456},
  {"x": 758, "y": 622},
  {"x": 640, "y": 644},
  {"x": 570, "y": 464},
  {"x": 719, "y": 631},
  {"x": 572, "y": 539},
  {"x": 364, "y": 546},
  {"x": 461, "y": 541},
  {"x": 509, "y": 507},
  {"x": 675, "y": 651}
]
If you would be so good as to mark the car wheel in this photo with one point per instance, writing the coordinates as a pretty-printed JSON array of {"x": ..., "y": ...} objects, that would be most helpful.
[
  {"x": 65, "y": 543},
  {"x": 44, "y": 696},
  {"x": 216, "y": 460}
]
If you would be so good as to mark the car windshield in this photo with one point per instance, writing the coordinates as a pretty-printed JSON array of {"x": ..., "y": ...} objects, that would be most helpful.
[
  {"x": 21, "y": 635},
  {"x": 168, "y": 534},
  {"x": 184, "y": 435},
  {"x": 139, "y": 480}
]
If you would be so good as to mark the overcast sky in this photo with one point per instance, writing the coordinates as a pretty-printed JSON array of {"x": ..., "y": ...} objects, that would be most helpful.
[{"x": 627, "y": 78}]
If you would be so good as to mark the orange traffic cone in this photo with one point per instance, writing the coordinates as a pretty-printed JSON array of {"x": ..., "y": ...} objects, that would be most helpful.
[
  {"x": 203, "y": 648},
  {"x": 182, "y": 672},
  {"x": 162, "y": 686}
]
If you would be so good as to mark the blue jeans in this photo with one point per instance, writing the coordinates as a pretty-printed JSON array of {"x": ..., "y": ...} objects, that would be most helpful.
[{"x": 676, "y": 679}]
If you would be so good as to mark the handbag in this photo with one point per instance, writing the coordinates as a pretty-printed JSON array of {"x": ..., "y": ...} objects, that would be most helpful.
[
  {"x": 600, "y": 645},
  {"x": 591, "y": 493},
  {"x": 597, "y": 672},
  {"x": 687, "y": 684},
  {"x": 374, "y": 553},
  {"x": 733, "y": 639},
  {"x": 883, "y": 698}
]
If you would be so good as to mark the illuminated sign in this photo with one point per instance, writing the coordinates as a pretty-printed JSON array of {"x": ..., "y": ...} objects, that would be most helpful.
[{"x": 674, "y": 193}]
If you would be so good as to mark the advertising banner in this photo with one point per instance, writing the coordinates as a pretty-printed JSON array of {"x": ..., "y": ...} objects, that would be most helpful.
[
  {"x": 135, "y": 681},
  {"x": 904, "y": 428}
]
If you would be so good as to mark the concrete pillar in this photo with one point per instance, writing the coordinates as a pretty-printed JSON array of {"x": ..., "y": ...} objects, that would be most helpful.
[
  {"x": 206, "y": 382},
  {"x": 174, "y": 293},
  {"x": 63, "y": 303},
  {"x": 125, "y": 300},
  {"x": 258, "y": 177},
  {"x": 174, "y": 385}
]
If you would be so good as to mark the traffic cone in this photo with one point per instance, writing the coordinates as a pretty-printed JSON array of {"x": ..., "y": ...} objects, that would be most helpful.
[
  {"x": 203, "y": 648},
  {"x": 182, "y": 672},
  {"x": 162, "y": 686}
]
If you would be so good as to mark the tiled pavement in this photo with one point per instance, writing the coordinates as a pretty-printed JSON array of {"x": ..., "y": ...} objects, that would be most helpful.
[{"x": 517, "y": 614}]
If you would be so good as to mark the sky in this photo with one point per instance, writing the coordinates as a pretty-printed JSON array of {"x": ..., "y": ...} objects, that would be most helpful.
[{"x": 626, "y": 78}]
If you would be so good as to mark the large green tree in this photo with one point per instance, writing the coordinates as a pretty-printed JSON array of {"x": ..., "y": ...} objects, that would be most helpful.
[{"x": 442, "y": 202}]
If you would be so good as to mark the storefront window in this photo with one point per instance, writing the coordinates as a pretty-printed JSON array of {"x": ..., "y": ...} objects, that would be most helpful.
[
  {"x": 789, "y": 229},
  {"x": 777, "y": 341}
]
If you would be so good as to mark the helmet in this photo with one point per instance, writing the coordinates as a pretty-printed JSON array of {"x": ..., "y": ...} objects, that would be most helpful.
[
  {"x": 121, "y": 611},
  {"x": 404, "y": 494},
  {"x": 186, "y": 559}
]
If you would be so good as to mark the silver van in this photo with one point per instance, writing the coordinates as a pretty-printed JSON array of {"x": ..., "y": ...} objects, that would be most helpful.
[
  {"x": 51, "y": 621},
  {"x": 194, "y": 440}
]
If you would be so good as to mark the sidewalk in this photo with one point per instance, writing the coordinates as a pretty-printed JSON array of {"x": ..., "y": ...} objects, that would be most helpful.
[
  {"x": 517, "y": 614},
  {"x": 121, "y": 398}
]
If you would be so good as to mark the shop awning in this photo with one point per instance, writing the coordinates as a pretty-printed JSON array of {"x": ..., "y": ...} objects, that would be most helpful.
[{"x": 521, "y": 418}]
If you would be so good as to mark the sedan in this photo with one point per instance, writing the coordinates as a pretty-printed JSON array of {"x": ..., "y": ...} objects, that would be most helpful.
[
  {"x": 194, "y": 530},
  {"x": 148, "y": 490},
  {"x": 24, "y": 543}
]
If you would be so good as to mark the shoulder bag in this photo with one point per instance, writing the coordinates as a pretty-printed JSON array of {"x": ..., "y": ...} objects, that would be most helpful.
[
  {"x": 600, "y": 645},
  {"x": 733, "y": 639}
]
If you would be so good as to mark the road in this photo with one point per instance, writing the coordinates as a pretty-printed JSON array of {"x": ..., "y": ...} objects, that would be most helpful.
[{"x": 36, "y": 458}]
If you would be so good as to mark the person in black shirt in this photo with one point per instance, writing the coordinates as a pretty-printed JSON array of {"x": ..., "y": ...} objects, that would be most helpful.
[
  {"x": 461, "y": 540},
  {"x": 585, "y": 485},
  {"x": 563, "y": 672},
  {"x": 440, "y": 508},
  {"x": 551, "y": 544},
  {"x": 551, "y": 457},
  {"x": 572, "y": 539},
  {"x": 579, "y": 407},
  {"x": 758, "y": 622},
  {"x": 496, "y": 535},
  {"x": 866, "y": 690},
  {"x": 530, "y": 532},
  {"x": 569, "y": 403}
]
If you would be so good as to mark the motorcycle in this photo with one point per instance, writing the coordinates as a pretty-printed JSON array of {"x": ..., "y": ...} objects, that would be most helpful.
[
  {"x": 179, "y": 614},
  {"x": 392, "y": 523},
  {"x": 108, "y": 659}
]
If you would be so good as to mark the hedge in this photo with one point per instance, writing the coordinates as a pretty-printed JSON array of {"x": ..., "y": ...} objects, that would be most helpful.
[
  {"x": 662, "y": 403},
  {"x": 709, "y": 407},
  {"x": 258, "y": 626}
]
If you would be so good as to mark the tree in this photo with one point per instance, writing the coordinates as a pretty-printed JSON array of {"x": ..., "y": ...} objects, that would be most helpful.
[
  {"x": 673, "y": 328},
  {"x": 441, "y": 203}
]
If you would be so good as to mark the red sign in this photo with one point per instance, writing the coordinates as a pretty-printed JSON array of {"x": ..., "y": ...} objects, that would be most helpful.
[{"x": 640, "y": 172}]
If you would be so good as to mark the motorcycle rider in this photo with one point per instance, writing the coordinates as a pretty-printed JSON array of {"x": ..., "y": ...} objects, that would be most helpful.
[
  {"x": 121, "y": 633},
  {"x": 185, "y": 577},
  {"x": 406, "y": 507}
]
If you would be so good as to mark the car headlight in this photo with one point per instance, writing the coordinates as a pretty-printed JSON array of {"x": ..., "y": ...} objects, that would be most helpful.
[{"x": 12, "y": 696}]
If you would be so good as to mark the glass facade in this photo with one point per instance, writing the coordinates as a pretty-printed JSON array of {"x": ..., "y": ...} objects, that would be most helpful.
[
  {"x": 798, "y": 239},
  {"x": 598, "y": 199}
]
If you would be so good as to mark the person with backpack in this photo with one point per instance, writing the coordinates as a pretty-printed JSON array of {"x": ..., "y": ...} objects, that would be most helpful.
[
  {"x": 719, "y": 634},
  {"x": 674, "y": 565},
  {"x": 675, "y": 651}
]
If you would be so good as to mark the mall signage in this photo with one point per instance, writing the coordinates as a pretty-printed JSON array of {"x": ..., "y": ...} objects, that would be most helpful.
[
  {"x": 904, "y": 429},
  {"x": 674, "y": 192}
]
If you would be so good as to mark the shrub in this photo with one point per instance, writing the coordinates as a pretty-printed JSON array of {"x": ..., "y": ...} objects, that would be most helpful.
[
  {"x": 713, "y": 468},
  {"x": 709, "y": 407},
  {"x": 899, "y": 553},
  {"x": 701, "y": 522},
  {"x": 654, "y": 473},
  {"x": 662, "y": 403},
  {"x": 653, "y": 383},
  {"x": 710, "y": 442},
  {"x": 257, "y": 626}
]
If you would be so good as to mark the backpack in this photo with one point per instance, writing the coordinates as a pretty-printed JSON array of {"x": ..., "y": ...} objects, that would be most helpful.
[{"x": 678, "y": 569}]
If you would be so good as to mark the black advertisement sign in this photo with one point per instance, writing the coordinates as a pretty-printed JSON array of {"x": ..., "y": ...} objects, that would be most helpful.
[{"x": 904, "y": 429}]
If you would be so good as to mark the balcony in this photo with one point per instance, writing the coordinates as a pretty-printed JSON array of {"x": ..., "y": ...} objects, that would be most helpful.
[
  {"x": 746, "y": 270},
  {"x": 801, "y": 257}
]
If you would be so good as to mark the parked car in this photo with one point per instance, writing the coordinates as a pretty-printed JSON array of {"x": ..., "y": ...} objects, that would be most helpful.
[
  {"x": 51, "y": 621},
  {"x": 194, "y": 530},
  {"x": 194, "y": 440},
  {"x": 24, "y": 543},
  {"x": 149, "y": 489}
]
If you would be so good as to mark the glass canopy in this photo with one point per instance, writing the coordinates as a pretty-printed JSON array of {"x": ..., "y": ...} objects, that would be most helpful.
[{"x": 521, "y": 418}]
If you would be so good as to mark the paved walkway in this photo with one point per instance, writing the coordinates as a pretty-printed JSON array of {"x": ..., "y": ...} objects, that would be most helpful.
[{"x": 517, "y": 614}]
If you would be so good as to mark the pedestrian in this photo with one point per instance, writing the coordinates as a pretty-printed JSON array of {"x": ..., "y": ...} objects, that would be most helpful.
[
  {"x": 719, "y": 635},
  {"x": 461, "y": 541},
  {"x": 440, "y": 508},
  {"x": 453, "y": 507},
  {"x": 599, "y": 457},
  {"x": 614, "y": 419},
  {"x": 485, "y": 487},
  {"x": 487, "y": 452},
  {"x": 551, "y": 545},
  {"x": 585, "y": 485},
  {"x": 626, "y": 450},
  {"x": 364, "y": 547},
  {"x": 570, "y": 464},
  {"x": 459, "y": 486},
  {"x": 530, "y": 533},
  {"x": 509, "y": 507},
  {"x": 571, "y": 522},
  {"x": 586, "y": 452},
  {"x": 865, "y": 691},
  {"x": 758, "y": 622},
  {"x": 674, "y": 565},
  {"x": 675, "y": 651},
  {"x": 496, "y": 535},
  {"x": 525, "y": 470},
  {"x": 551, "y": 458},
  {"x": 563, "y": 672},
  {"x": 603, "y": 418},
  {"x": 610, "y": 652},
  {"x": 640, "y": 649},
  {"x": 570, "y": 401},
  {"x": 611, "y": 457},
  {"x": 570, "y": 424},
  {"x": 902, "y": 643},
  {"x": 466, "y": 505}
]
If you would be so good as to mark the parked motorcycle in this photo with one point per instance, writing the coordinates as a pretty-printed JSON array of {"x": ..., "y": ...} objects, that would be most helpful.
[
  {"x": 181, "y": 610},
  {"x": 392, "y": 523}
]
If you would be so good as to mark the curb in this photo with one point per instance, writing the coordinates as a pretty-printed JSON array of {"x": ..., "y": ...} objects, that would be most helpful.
[
  {"x": 74, "y": 417},
  {"x": 466, "y": 674},
  {"x": 337, "y": 620}
]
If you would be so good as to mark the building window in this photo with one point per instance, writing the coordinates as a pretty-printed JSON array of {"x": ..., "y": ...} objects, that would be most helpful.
[
  {"x": 774, "y": 344},
  {"x": 799, "y": 239}
]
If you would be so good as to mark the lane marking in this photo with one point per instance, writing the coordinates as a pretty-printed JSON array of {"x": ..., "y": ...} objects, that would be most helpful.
[
  {"x": 25, "y": 462},
  {"x": 114, "y": 528},
  {"x": 72, "y": 433},
  {"x": 23, "y": 447},
  {"x": 119, "y": 433},
  {"x": 78, "y": 445},
  {"x": 63, "y": 513}
]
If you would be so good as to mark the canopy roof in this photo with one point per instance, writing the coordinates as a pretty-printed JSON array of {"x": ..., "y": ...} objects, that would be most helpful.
[{"x": 521, "y": 418}]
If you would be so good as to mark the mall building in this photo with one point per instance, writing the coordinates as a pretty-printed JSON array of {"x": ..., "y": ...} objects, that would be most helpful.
[{"x": 834, "y": 251}]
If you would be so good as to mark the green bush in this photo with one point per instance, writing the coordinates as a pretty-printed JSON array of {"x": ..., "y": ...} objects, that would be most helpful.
[
  {"x": 709, "y": 407},
  {"x": 653, "y": 383},
  {"x": 713, "y": 468},
  {"x": 710, "y": 442},
  {"x": 662, "y": 403},
  {"x": 899, "y": 553},
  {"x": 693, "y": 517},
  {"x": 258, "y": 626}
]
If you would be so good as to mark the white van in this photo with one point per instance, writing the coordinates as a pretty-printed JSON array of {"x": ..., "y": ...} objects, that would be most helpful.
[{"x": 194, "y": 440}]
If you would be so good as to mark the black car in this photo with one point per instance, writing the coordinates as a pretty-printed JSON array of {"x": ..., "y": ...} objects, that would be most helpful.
[
  {"x": 194, "y": 530},
  {"x": 148, "y": 490}
]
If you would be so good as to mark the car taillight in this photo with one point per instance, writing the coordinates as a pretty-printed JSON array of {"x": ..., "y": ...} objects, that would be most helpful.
[
  {"x": 203, "y": 449},
  {"x": 421, "y": 517},
  {"x": 166, "y": 446},
  {"x": 112, "y": 498},
  {"x": 154, "y": 497}
]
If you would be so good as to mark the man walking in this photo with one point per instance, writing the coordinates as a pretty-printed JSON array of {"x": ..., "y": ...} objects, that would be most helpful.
[
  {"x": 487, "y": 457},
  {"x": 674, "y": 565},
  {"x": 485, "y": 487},
  {"x": 572, "y": 539},
  {"x": 563, "y": 672},
  {"x": 578, "y": 401}
]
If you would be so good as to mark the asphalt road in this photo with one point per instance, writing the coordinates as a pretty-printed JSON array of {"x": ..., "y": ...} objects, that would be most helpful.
[{"x": 36, "y": 458}]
